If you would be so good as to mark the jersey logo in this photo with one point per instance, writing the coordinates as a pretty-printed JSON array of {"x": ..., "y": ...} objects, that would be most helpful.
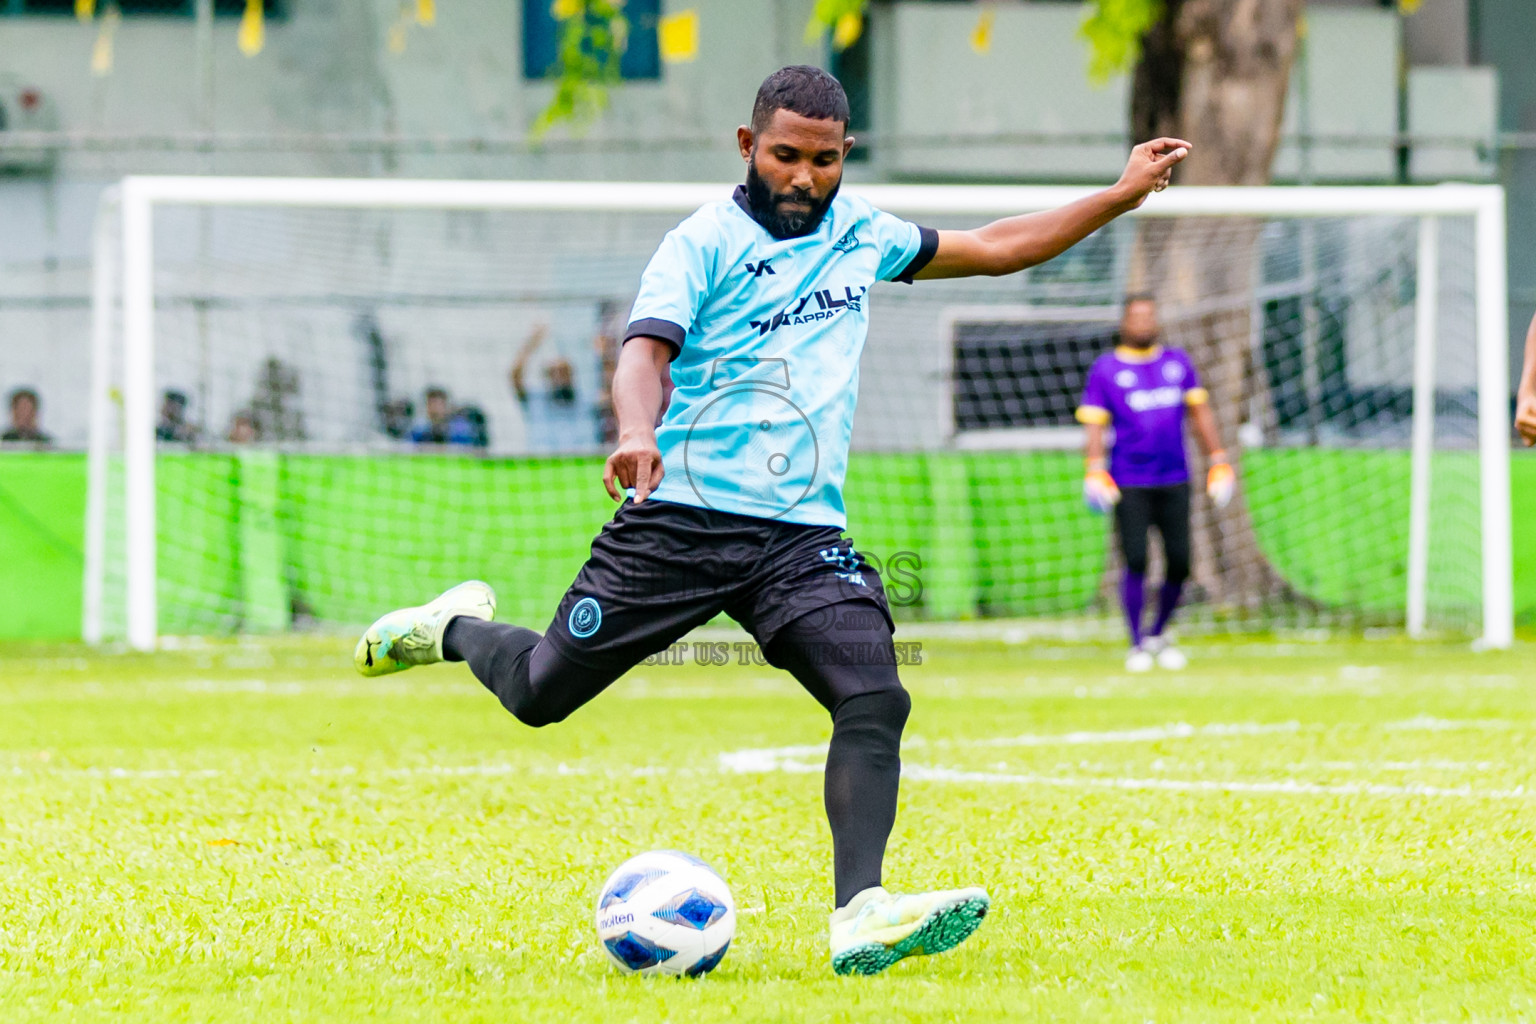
[
  {"x": 760, "y": 268},
  {"x": 848, "y": 242},
  {"x": 827, "y": 306},
  {"x": 1173, "y": 373},
  {"x": 1157, "y": 398},
  {"x": 1126, "y": 378}
]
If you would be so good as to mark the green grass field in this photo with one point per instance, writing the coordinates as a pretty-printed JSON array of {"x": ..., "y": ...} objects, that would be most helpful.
[{"x": 248, "y": 832}]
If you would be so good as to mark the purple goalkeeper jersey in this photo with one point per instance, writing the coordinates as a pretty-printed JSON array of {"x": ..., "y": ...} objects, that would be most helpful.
[{"x": 1143, "y": 396}]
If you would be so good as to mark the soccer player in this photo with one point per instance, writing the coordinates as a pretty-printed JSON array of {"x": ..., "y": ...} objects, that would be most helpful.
[
  {"x": 1525, "y": 397},
  {"x": 1142, "y": 390},
  {"x": 735, "y": 392}
]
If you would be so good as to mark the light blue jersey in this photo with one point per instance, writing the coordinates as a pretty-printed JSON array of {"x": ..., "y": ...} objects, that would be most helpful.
[{"x": 768, "y": 335}]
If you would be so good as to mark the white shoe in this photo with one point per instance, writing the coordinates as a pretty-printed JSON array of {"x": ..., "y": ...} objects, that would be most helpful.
[
  {"x": 878, "y": 928},
  {"x": 1139, "y": 660},
  {"x": 414, "y": 636},
  {"x": 1170, "y": 657}
]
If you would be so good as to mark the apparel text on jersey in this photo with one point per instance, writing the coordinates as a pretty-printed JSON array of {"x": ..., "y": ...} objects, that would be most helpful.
[{"x": 827, "y": 307}]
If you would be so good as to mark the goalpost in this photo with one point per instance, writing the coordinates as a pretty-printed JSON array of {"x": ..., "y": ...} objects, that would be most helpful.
[{"x": 1364, "y": 370}]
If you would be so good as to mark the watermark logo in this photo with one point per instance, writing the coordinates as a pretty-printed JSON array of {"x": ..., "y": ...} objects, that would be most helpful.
[{"x": 751, "y": 439}]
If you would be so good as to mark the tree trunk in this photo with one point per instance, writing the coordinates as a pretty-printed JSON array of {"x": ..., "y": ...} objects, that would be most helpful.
[{"x": 1215, "y": 72}]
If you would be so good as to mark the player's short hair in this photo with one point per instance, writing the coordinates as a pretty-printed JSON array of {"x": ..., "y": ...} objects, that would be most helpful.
[
  {"x": 436, "y": 392},
  {"x": 1132, "y": 298},
  {"x": 800, "y": 89},
  {"x": 26, "y": 393}
]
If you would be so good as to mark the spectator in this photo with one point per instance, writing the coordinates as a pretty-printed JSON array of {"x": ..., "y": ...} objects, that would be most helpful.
[
  {"x": 24, "y": 407},
  {"x": 397, "y": 414},
  {"x": 555, "y": 418},
  {"x": 173, "y": 425},
  {"x": 445, "y": 426},
  {"x": 242, "y": 429}
]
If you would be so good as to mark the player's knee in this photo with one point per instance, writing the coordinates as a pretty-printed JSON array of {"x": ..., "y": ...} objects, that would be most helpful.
[
  {"x": 886, "y": 709},
  {"x": 533, "y": 708},
  {"x": 536, "y": 717},
  {"x": 1178, "y": 567},
  {"x": 1136, "y": 563}
]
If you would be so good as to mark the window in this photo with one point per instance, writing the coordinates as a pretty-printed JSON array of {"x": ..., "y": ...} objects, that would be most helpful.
[
  {"x": 541, "y": 40},
  {"x": 140, "y": 8}
]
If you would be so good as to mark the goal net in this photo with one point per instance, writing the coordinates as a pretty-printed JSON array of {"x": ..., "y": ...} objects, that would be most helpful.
[{"x": 313, "y": 400}]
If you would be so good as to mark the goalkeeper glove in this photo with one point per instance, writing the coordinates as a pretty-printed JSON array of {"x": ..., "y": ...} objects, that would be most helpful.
[
  {"x": 1099, "y": 488},
  {"x": 1220, "y": 482}
]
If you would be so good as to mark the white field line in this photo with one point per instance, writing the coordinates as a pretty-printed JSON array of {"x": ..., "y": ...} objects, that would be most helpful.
[
  {"x": 1281, "y": 786},
  {"x": 809, "y": 758},
  {"x": 794, "y": 759}
]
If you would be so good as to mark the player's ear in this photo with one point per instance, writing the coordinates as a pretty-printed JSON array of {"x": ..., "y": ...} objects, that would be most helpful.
[
  {"x": 744, "y": 141},
  {"x": 848, "y": 146}
]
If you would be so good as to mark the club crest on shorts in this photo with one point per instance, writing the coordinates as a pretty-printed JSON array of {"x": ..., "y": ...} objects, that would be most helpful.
[{"x": 585, "y": 618}]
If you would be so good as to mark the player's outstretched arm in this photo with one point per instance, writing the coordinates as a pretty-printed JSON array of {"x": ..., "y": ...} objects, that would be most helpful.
[
  {"x": 640, "y": 390},
  {"x": 1525, "y": 399},
  {"x": 1015, "y": 243}
]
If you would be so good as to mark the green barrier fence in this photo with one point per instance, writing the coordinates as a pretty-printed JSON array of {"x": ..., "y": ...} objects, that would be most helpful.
[{"x": 257, "y": 540}]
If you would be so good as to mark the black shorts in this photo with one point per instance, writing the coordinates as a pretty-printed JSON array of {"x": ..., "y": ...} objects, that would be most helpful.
[
  {"x": 658, "y": 569},
  {"x": 1166, "y": 508}
]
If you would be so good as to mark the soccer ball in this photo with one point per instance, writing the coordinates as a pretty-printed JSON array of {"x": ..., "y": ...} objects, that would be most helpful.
[{"x": 665, "y": 912}]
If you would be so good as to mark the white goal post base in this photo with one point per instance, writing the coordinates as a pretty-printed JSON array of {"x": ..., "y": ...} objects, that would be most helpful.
[{"x": 124, "y": 272}]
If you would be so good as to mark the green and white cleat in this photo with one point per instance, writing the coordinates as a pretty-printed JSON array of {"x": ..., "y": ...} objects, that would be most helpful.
[
  {"x": 878, "y": 928},
  {"x": 414, "y": 636}
]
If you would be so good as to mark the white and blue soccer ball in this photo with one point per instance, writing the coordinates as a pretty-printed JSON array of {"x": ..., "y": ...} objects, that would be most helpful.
[{"x": 665, "y": 912}]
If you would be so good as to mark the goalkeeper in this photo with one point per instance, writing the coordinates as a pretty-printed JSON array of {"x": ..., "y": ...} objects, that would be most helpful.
[
  {"x": 753, "y": 312},
  {"x": 1142, "y": 390}
]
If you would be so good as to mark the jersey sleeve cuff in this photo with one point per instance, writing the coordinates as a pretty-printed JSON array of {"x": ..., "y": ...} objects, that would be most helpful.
[
  {"x": 1196, "y": 396},
  {"x": 655, "y": 327},
  {"x": 928, "y": 244},
  {"x": 1092, "y": 414}
]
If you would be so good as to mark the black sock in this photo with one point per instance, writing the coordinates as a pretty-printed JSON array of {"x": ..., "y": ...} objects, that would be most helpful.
[
  {"x": 863, "y": 774},
  {"x": 532, "y": 679},
  {"x": 497, "y": 653}
]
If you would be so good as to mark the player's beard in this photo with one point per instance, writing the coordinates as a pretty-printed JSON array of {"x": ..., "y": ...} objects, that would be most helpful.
[
  {"x": 1139, "y": 342},
  {"x": 765, "y": 206}
]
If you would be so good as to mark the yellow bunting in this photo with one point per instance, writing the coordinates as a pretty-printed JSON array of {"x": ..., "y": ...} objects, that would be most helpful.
[
  {"x": 1409, "y": 6},
  {"x": 426, "y": 12},
  {"x": 981, "y": 35},
  {"x": 565, "y": 10},
  {"x": 85, "y": 10},
  {"x": 677, "y": 36},
  {"x": 847, "y": 30},
  {"x": 253, "y": 29},
  {"x": 101, "y": 53}
]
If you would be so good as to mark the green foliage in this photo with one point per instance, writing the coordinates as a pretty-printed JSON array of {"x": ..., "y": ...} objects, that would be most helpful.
[
  {"x": 593, "y": 36},
  {"x": 246, "y": 831},
  {"x": 843, "y": 18},
  {"x": 1113, "y": 30}
]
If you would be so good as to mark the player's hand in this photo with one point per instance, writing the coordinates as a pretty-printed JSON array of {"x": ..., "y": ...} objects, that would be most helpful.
[
  {"x": 1100, "y": 490},
  {"x": 1220, "y": 482},
  {"x": 636, "y": 463},
  {"x": 1525, "y": 418},
  {"x": 1150, "y": 168}
]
